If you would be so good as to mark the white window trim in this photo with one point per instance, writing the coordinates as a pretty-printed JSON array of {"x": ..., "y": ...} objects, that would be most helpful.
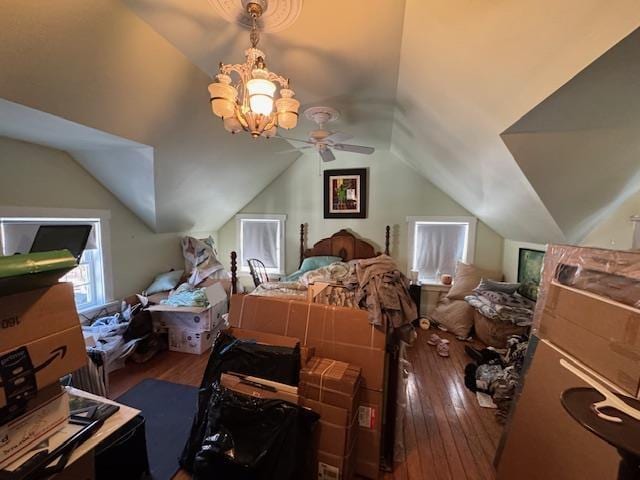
[
  {"x": 73, "y": 214},
  {"x": 470, "y": 253},
  {"x": 282, "y": 219}
]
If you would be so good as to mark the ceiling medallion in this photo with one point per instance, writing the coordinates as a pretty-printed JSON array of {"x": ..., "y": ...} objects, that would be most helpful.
[
  {"x": 277, "y": 14},
  {"x": 248, "y": 104}
]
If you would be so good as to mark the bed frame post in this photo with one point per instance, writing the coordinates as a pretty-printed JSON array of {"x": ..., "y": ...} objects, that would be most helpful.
[
  {"x": 301, "y": 244},
  {"x": 387, "y": 236},
  {"x": 234, "y": 273}
]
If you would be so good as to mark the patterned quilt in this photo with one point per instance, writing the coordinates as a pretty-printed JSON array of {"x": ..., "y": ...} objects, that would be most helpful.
[{"x": 505, "y": 307}]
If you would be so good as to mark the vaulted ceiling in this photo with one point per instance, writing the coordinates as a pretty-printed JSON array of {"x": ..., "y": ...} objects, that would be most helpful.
[{"x": 441, "y": 83}]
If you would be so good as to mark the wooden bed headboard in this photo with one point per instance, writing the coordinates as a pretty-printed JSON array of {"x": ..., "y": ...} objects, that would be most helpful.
[{"x": 343, "y": 244}]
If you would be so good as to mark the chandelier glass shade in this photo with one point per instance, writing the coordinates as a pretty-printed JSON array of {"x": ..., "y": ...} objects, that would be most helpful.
[{"x": 248, "y": 104}]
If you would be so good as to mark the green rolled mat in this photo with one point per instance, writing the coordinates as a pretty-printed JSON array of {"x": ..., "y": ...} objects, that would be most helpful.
[{"x": 34, "y": 263}]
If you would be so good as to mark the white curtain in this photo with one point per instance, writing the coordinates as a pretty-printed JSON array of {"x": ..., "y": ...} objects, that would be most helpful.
[
  {"x": 260, "y": 239},
  {"x": 438, "y": 247}
]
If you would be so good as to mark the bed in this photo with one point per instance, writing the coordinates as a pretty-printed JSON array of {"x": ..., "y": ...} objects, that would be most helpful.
[{"x": 343, "y": 244}]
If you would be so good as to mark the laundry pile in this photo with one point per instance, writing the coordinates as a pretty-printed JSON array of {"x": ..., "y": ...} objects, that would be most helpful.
[{"x": 496, "y": 372}]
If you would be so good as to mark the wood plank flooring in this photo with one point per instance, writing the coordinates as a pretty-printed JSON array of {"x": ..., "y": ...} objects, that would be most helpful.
[{"x": 447, "y": 435}]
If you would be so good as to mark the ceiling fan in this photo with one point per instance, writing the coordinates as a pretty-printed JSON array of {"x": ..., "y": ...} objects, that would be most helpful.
[{"x": 323, "y": 140}]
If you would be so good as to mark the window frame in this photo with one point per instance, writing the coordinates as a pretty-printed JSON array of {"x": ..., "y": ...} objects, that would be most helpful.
[
  {"x": 281, "y": 219},
  {"x": 470, "y": 250},
  {"x": 104, "y": 286}
]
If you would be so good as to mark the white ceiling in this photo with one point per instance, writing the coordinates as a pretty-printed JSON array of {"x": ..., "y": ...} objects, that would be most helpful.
[
  {"x": 471, "y": 69},
  {"x": 435, "y": 81}
]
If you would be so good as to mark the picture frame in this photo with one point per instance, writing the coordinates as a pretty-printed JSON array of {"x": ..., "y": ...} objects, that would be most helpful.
[
  {"x": 345, "y": 193},
  {"x": 529, "y": 272}
]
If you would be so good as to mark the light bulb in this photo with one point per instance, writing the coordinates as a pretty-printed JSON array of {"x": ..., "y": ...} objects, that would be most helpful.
[
  {"x": 287, "y": 108},
  {"x": 261, "y": 95},
  {"x": 223, "y": 96},
  {"x": 232, "y": 125}
]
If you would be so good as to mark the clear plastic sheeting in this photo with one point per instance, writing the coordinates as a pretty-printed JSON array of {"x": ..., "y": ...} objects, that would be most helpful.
[{"x": 611, "y": 274}]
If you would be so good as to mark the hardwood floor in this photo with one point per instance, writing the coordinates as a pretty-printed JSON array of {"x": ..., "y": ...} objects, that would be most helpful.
[{"x": 448, "y": 436}]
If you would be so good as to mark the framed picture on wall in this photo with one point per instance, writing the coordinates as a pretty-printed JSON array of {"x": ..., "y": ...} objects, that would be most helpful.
[
  {"x": 345, "y": 193},
  {"x": 529, "y": 269}
]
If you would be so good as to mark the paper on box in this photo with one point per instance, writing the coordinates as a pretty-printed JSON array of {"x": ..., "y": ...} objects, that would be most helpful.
[{"x": 17, "y": 436}]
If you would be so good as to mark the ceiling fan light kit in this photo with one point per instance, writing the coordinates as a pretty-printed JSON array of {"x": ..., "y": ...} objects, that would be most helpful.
[
  {"x": 325, "y": 141},
  {"x": 249, "y": 104}
]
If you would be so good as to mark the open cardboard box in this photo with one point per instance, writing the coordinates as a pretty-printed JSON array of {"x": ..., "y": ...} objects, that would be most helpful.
[{"x": 199, "y": 319}]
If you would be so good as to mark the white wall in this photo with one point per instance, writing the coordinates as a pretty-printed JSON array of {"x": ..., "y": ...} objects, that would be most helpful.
[
  {"x": 616, "y": 231},
  {"x": 395, "y": 192},
  {"x": 35, "y": 176}
]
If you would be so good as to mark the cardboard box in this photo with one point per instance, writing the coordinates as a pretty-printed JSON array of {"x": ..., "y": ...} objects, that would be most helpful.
[
  {"x": 40, "y": 363},
  {"x": 189, "y": 341},
  {"x": 543, "y": 442},
  {"x": 306, "y": 354},
  {"x": 332, "y": 382},
  {"x": 337, "y": 433},
  {"x": 12, "y": 411},
  {"x": 368, "y": 445},
  {"x": 601, "y": 333},
  {"x": 28, "y": 316},
  {"x": 259, "y": 387},
  {"x": 263, "y": 338},
  {"x": 17, "y": 436},
  {"x": 343, "y": 334},
  {"x": 195, "y": 319}
]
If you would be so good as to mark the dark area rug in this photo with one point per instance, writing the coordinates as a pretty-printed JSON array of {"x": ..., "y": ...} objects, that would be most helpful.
[{"x": 168, "y": 409}]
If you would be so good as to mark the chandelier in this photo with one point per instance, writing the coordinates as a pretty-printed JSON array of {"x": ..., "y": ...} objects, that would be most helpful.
[{"x": 249, "y": 104}]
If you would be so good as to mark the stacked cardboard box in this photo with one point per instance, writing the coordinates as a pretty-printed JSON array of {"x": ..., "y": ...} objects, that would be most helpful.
[
  {"x": 338, "y": 333},
  {"x": 192, "y": 329},
  {"x": 41, "y": 342},
  {"x": 332, "y": 389}
]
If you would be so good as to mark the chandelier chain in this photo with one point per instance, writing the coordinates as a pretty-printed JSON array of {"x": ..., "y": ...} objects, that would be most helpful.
[{"x": 254, "y": 36}]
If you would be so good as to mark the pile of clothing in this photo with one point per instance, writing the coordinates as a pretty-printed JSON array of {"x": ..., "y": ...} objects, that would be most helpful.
[
  {"x": 373, "y": 284},
  {"x": 497, "y": 372}
]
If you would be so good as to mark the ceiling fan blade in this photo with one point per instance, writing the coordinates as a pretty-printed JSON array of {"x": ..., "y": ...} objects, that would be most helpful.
[
  {"x": 345, "y": 147},
  {"x": 327, "y": 155},
  {"x": 295, "y": 139},
  {"x": 295, "y": 149},
  {"x": 338, "y": 137}
]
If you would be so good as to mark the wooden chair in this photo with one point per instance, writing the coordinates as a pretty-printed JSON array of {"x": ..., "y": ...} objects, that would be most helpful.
[{"x": 258, "y": 271}]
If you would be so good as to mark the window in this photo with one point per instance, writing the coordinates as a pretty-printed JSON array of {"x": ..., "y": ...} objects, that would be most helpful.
[
  {"x": 436, "y": 244},
  {"x": 90, "y": 278},
  {"x": 261, "y": 237}
]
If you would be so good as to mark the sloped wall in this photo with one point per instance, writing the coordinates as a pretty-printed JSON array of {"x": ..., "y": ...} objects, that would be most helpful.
[
  {"x": 35, "y": 176},
  {"x": 395, "y": 192}
]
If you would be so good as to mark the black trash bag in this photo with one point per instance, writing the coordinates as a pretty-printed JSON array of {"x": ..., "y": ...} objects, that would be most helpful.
[
  {"x": 279, "y": 364},
  {"x": 140, "y": 325},
  {"x": 249, "y": 438}
]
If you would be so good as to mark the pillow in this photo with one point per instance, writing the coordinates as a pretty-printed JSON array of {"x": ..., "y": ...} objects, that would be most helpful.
[
  {"x": 164, "y": 282},
  {"x": 454, "y": 315},
  {"x": 467, "y": 278},
  {"x": 311, "y": 263},
  {"x": 504, "y": 287}
]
